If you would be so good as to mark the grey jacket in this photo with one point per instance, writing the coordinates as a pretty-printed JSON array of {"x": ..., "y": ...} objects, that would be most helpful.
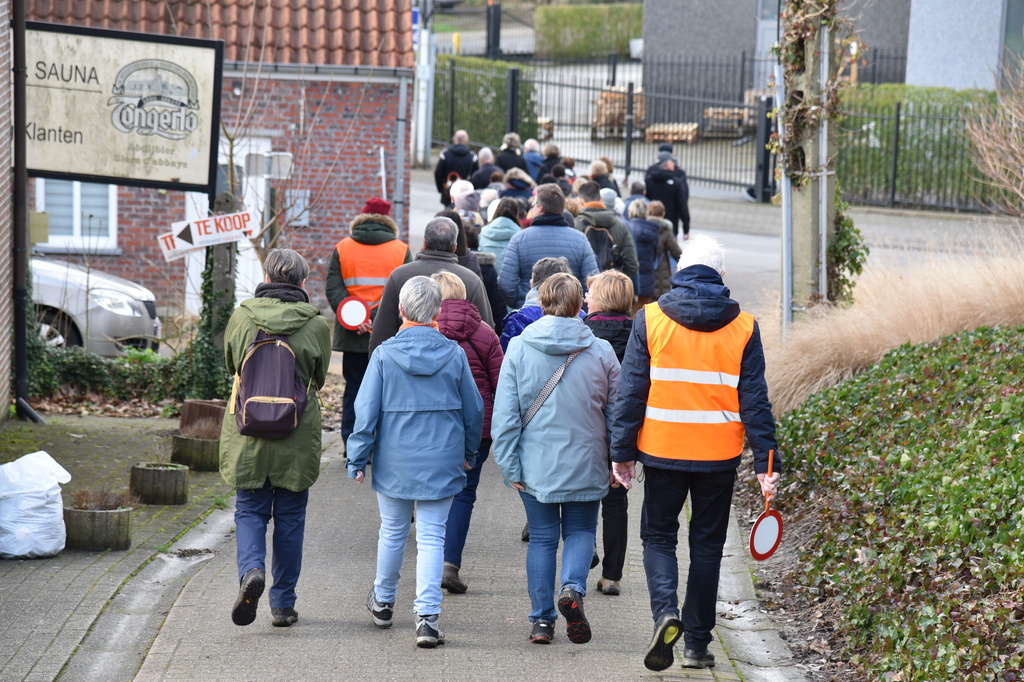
[{"x": 387, "y": 322}]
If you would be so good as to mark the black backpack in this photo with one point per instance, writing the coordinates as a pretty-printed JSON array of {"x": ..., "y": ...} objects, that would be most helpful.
[
  {"x": 269, "y": 393},
  {"x": 607, "y": 253}
]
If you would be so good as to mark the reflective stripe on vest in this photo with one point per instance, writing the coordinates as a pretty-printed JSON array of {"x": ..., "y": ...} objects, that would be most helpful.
[
  {"x": 693, "y": 406},
  {"x": 365, "y": 267}
]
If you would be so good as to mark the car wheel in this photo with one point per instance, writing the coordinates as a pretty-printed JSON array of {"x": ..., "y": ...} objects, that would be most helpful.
[{"x": 57, "y": 330}]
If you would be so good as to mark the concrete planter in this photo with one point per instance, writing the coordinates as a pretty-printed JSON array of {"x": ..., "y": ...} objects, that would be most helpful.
[
  {"x": 97, "y": 530},
  {"x": 159, "y": 483},
  {"x": 197, "y": 453},
  {"x": 193, "y": 411}
]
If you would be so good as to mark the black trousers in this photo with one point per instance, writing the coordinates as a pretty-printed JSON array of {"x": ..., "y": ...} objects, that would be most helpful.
[{"x": 710, "y": 494}]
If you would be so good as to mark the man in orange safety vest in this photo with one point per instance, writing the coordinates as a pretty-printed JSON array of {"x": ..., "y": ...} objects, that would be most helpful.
[
  {"x": 360, "y": 266},
  {"x": 692, "y": 389}
]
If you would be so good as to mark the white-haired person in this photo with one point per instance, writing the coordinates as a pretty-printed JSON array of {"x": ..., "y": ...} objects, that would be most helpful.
[
  {"x": 692, "y": 391},
  {"x": 418, "y": 389},
  {"x": 549, "y": 427}
]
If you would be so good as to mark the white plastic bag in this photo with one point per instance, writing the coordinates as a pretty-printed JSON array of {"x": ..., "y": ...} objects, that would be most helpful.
[{"x": 31, "y": 508}]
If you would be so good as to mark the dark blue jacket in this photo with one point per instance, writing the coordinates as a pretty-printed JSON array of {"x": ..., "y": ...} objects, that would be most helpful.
[
  {"x": 548, "y": 235},
  {"x": 699, "y": 301},
  {"x": 645, "y": 236}
]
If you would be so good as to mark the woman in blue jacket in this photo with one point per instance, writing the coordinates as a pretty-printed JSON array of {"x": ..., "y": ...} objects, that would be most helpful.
[
  {"x": 419, "y": 412},
  {"x": 558, "y": 461},
  {"x": 645, "y": 236}
]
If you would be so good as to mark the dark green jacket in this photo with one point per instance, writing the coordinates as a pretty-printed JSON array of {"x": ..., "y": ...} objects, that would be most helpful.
[
  {"x": 619, "y": 230},
  {"x": 370, "y": 229},
  {"x": 292, "y": 463}
]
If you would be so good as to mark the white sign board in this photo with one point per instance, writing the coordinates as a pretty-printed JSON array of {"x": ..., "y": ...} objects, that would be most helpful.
[
  {"x": 124, "y": 108},
  {"x": 188, "y": 236}
]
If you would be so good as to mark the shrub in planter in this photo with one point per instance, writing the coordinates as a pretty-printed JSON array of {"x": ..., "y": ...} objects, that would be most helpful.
[
  {"x": 100, "y": 520},
  {"x": 198, "y": 445}
]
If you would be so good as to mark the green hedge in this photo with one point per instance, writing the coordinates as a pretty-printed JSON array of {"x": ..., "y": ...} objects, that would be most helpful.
[
  {"x": 913, "y": 472},
  {"x": 481, "y": 99},
  {"x": 934, "y": 164},
  {"x": 586, "y": 31}
]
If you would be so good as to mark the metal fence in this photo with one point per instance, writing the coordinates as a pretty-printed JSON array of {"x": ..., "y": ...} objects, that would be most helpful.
[
  {"x": 903, "y": 156},
  {"x": 910, "y": 156}
]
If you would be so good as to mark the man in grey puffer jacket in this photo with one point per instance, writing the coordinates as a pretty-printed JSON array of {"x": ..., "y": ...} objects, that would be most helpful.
[{"x": 549, "y": 235}]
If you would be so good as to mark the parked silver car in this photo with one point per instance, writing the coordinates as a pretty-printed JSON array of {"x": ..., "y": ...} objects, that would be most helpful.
[{"x": 79, "y": 306}]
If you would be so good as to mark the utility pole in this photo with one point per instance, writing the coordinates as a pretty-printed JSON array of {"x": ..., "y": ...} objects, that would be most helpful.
[
  {"x": 811, "y": 205},
  {"x": 424, "y": 100}
]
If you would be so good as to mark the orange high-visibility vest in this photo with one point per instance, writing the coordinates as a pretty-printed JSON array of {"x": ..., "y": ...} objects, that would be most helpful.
[
  {"x": 365, "y": 267},
  {"x": 693, "y": 407}
]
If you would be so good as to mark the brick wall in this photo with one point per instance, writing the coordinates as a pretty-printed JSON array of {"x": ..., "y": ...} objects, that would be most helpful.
[
  {"x": 334, "y": 131},
  {"x": 6, "y": 235}
]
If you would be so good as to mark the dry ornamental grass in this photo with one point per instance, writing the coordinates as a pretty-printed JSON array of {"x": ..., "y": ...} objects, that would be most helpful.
[{"x": 969, "y": 281}]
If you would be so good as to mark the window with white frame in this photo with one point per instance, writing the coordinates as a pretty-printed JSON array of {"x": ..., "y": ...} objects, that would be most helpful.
[{"x": 82, "y": 215}]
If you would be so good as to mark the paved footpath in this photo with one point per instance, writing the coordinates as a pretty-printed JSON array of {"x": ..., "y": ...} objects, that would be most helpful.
[{"x": 486, "y": 627}]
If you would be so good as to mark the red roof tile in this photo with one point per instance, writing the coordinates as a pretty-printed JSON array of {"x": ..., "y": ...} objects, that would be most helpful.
[{"x": 321, "y": 32}]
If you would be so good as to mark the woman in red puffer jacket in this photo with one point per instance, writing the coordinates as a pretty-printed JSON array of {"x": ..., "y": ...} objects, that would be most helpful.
[{"x": 460, "y": 321}]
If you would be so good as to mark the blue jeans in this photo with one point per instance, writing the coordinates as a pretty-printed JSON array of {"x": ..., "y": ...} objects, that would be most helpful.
[
  {"x": 353, "y": 368},
  {"x": 576, "y": 523},
  {"x": 395, "y": 515},
  {"x": 253, "y": 510},
  {"x": 462, "y": 509},
  {"x": 665, "y": 492}
]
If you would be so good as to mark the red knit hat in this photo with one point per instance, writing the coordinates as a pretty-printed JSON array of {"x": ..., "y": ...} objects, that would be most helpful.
[{"x": 378, "y": 206}]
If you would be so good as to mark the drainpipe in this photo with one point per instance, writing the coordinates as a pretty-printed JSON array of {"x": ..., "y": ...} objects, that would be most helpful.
[
  {"x": 20, "y": 217},
  {"x": 823, "y": 197},
  {"x": 403, "y": 105},
  {"x": 787, "y": 214}
]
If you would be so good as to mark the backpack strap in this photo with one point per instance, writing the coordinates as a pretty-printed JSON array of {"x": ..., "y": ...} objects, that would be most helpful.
[{"x": 546, "y": 391}]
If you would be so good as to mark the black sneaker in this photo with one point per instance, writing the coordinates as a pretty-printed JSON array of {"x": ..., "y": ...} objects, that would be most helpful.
[
  {"x": 284, "y": 617},
  {"x": 380, "y": 611},
  {"x": 543, "y": 632},
  {"x": 698, "y": 659},
  {"x": 428, "y": 633},
  {"x": 666, "y": 632},
  {"x": 249, "y": 592},
  {"x": 450, "y": 580},
  {"x": 570, "y": 605}
]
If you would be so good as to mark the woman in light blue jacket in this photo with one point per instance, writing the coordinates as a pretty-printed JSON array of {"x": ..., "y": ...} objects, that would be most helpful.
[
  {"x": 420, "y": 413},
  {"x": 494, "y": 235},
  {"x": 559, "y": 461}
]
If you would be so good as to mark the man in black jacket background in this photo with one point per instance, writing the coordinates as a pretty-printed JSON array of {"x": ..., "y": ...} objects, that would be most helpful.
[
  {"x": 666, "y": 182},
  {"x": 457, "y": 159}
]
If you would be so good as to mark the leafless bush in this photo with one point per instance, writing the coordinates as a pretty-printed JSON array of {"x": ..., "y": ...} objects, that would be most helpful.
[{"x": 997, "y": 136}]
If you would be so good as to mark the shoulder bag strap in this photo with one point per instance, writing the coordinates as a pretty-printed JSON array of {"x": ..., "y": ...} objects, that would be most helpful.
[{"x": 548, "y": 388}]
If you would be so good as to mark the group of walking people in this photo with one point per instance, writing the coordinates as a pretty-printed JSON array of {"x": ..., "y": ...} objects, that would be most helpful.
[{"x": 585, "y": 381}]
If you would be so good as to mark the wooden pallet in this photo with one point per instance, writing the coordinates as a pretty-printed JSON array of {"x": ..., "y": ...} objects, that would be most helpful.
[
  {"x": 672, "y": 132},
  {"x": 545, "y": 128},
  {"x": 610, "y": 116},
  {"x": 723, "y": 122}
]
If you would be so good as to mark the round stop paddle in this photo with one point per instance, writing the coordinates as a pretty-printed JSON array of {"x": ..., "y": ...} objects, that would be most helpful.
[
  {"x": 353, "y": 312},
  {"x": 766, "y": 534}
]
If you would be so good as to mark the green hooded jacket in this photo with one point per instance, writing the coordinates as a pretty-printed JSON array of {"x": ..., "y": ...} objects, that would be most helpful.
[
  {"x": 292, "y": 463},
  {"x": 369, "y": 229}
]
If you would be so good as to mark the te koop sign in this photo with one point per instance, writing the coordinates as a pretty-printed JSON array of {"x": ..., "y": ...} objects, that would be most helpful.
[{"x": 198, "y": 234}]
